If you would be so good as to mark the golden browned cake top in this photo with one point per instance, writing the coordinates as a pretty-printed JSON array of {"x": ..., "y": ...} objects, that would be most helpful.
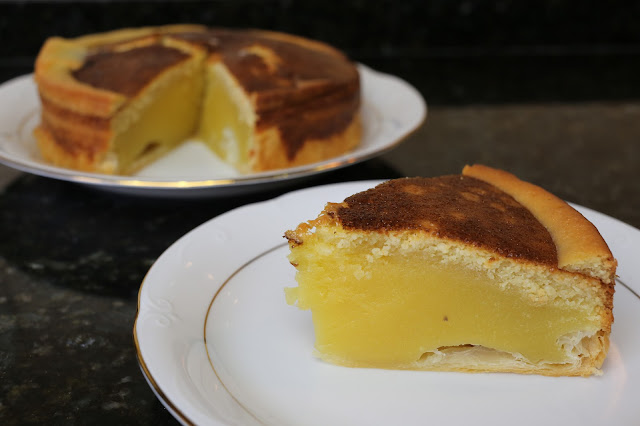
[
  {"x": 263, "y": 60},
  {"x": 128, "y": 71},
  {"x": 454, "y": 207},
  {"x": 260, "y": 60}
]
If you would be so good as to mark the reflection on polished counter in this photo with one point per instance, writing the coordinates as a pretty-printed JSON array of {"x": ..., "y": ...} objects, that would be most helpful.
[{"x": 72, "y": 258}]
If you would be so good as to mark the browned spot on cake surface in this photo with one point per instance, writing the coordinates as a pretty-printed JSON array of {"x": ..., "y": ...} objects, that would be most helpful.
[
  {"x": 127, "y": 72},
  {"x": 450, "y": 207}
]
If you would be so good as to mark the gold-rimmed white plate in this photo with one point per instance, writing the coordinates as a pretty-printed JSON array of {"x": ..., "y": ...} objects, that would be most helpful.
[
  {"x": 219, "y": 345},
  {"x": 391, "y": 110}
]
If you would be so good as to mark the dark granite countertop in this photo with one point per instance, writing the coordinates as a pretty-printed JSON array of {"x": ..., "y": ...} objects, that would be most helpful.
[{"x": 72, "y": 258}]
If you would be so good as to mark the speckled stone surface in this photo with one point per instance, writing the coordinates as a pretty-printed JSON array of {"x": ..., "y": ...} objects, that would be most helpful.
[
  {"x": 559, "y": 107},
  {"x": 67, "y": 356},
  {"x": 71, "y": 263}
]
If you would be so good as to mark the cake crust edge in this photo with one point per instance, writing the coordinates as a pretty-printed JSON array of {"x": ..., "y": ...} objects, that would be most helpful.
[{"x": 579, "y": 244}]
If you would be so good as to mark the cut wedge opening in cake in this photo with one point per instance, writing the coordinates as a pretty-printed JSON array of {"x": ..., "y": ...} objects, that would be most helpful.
[
  {"x": 227, "y": 118},
  {"x": 446, "y": 273}
]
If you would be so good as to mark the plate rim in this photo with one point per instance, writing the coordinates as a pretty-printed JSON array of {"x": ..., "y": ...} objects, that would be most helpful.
[
  {"x": 176, "y": 411},
  {"x": 170, "y": 185},
  {"x": 169, "y": 404}
]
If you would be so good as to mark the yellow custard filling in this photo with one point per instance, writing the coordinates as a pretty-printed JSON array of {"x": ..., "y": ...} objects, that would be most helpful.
[
  {"x": 390, "y": 307},
  {"x": 227, "y": 118}
]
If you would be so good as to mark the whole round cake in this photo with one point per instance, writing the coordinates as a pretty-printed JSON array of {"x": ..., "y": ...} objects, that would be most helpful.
[{"x": 116, "y": 101}]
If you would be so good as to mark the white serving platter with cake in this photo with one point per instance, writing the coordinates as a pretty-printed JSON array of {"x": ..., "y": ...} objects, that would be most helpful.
[
  {"x": 219, "y": 345},
  {"x": 391, "y": 110}
]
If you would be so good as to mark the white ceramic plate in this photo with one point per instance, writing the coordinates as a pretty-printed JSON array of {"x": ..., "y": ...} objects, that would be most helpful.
[
  {"x": 391, "y": 110},
  {"x": 218, "y": 293}
]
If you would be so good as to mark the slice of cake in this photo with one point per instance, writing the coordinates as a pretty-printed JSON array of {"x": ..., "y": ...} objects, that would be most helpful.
[
  {"x": 478, "y": 272},
  {"x": 114, "y": 102}
]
